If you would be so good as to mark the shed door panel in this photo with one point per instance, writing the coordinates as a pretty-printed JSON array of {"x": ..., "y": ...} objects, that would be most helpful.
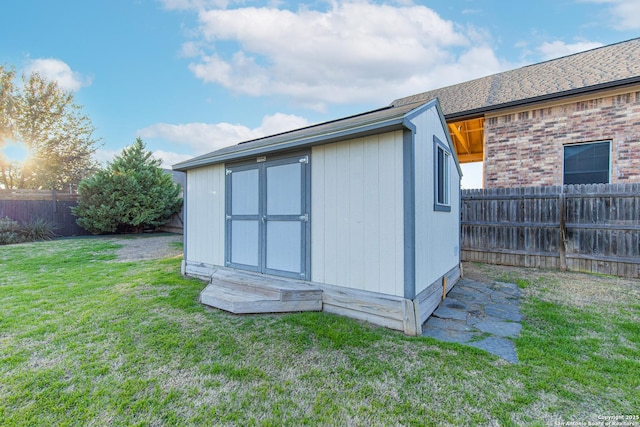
[
  {"x": 268, "y": 217},
  {"x": 284, "y": 189},
  {"x": 285, "y": 222},
  {"x": 244, "y": 184},
  {"x": 284, "y": 246},
  {"x": 244, "y": 219},
  {"x": 244, "y": 243}
]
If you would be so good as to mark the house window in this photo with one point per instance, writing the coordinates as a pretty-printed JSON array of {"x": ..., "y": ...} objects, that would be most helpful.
[
  {"x": 442, "y": 156},
  {"x": 587, "y": 163}
]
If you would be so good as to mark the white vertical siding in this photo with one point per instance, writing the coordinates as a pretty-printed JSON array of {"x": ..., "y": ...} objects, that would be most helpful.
[
  {"x": 357, "y": 229},
  {"x": 437, "y": 234},
  {"x": 205, "y": 215}
]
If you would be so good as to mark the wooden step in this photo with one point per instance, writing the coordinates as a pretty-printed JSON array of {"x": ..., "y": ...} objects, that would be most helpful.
[
  {"x": 287, "y": 289},
  {"x": 241, "y": 292},
  {"x": 243, "y": 282}
]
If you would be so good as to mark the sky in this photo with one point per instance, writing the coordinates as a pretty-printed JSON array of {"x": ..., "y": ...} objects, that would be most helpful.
[{"x": 192, "y": 76}]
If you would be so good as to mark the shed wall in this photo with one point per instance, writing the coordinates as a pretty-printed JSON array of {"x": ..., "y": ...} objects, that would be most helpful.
[
  {"x": 357, "y": 214},
  {"x": 204, "y": 228},
  {"x": 437, "y": 234}
]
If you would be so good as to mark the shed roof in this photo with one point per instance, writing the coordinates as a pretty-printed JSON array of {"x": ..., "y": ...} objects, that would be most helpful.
[
  {"x": 604, "y": 67},
  {"x": 375, "y": 121}
]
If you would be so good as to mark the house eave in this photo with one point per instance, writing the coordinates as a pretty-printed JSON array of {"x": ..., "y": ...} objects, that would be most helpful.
[{"x": 479, "y": 112}]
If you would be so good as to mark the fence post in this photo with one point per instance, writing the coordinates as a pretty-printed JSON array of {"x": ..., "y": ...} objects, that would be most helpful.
[{"x": 562, "y": 244}]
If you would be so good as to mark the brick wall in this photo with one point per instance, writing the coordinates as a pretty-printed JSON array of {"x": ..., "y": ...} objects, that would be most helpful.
[{"x": 525, "y": 148}]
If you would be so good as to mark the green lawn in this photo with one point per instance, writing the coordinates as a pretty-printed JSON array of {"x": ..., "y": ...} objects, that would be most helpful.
[{"x": 86, "y": 340}]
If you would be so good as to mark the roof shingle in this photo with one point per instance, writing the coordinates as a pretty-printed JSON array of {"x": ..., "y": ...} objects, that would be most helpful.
[{"x": 608, "y": 65}]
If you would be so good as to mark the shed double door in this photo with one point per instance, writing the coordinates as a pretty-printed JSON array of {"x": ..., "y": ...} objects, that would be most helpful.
[{"x": 267, "y": 212}]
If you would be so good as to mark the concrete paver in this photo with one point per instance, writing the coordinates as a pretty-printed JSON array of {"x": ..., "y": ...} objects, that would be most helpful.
[
  {"x": 501, "y": 347},
  {"x": 482, "y": 315}
]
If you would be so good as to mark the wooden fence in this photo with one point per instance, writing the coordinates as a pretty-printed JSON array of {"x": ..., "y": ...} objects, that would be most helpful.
[
  {"x": 29, "y": 205},
  {"x": 175, "y": 223},
  {"x": 593, "y": 228}
]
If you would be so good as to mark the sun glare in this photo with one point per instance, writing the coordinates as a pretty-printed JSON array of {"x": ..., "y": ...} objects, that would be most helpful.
[{"x": 16, "y": 151}]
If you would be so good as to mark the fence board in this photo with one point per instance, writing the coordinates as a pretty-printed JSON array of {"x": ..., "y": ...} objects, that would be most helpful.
[
  {"x": 578, "y": 227},
  {"x": 29, "y": 205}
]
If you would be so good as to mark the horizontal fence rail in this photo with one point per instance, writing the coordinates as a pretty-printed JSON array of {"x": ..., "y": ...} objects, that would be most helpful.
[{"x": 593, "y": 228}]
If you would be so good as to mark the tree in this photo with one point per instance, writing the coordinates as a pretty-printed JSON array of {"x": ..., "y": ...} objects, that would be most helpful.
[
  {"x": 131, "y": 194},
  {"x": 47, "y": 121}
]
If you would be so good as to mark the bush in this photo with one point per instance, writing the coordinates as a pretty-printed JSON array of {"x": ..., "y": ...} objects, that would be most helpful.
[
  {"x": 9, "y": 231},
  {"x": 36, "y": 230},
  {"x": 132, "y": 194}
]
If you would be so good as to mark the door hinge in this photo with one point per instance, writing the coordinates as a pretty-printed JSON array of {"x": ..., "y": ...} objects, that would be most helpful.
[
  {"x": 228, "y": 217},
  {"x": 228, "y": 172},
  {"x": 304, "y": 217},
  {"x": 304, "y": 159}
]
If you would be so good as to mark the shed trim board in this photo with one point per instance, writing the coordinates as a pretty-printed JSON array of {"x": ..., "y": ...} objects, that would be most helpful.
[
  {"x": 185, "y": 226},
  {"x": 445, "y": 206},
  {"x": 373, "y": 163},
  {"x": 409, "y": 214}
]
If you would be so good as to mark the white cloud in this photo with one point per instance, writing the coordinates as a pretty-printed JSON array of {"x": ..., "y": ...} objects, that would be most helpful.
[
  {"x": 336, "y": 56},
  {"x": 103, "y": 156},
  {"x": 202, "y": 138},
  {"x": 279, "y": 122},
  {"x": 59, "y": 71},
  {"x": 199, "y": 137},
  {"x": 556, "y": 49},
  {"x": 168, "y": 158},
  {"x": 190, "y": 50},
  {"x": 193, "y": 4},
  {"x": 624, "y": 13}
]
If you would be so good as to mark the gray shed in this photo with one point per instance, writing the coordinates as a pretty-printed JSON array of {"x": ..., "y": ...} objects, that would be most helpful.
[{"x": 359, "y": 216}]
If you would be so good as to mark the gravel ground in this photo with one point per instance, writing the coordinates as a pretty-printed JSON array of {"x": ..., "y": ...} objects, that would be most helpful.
[{"x": 148, "y": 247}]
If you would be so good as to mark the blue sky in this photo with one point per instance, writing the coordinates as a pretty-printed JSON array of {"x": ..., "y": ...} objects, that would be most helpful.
[{"x": 191, "y": 76}]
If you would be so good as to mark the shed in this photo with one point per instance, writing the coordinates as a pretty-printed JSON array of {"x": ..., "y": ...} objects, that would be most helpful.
[{"x": 358, "y": 216}]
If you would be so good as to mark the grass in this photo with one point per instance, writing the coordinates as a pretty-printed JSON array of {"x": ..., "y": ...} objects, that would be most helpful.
[{"x": 86, "y": 340}]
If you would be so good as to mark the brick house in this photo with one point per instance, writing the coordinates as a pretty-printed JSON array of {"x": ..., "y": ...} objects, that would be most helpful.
[{"x": 570, "y": 120}]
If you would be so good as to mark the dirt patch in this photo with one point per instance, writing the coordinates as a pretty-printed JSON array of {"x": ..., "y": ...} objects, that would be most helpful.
[{"x": 148, "y": 247}]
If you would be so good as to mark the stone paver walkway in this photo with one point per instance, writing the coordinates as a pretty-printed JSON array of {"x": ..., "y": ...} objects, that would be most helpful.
[{"x": 483, "y": 315}]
